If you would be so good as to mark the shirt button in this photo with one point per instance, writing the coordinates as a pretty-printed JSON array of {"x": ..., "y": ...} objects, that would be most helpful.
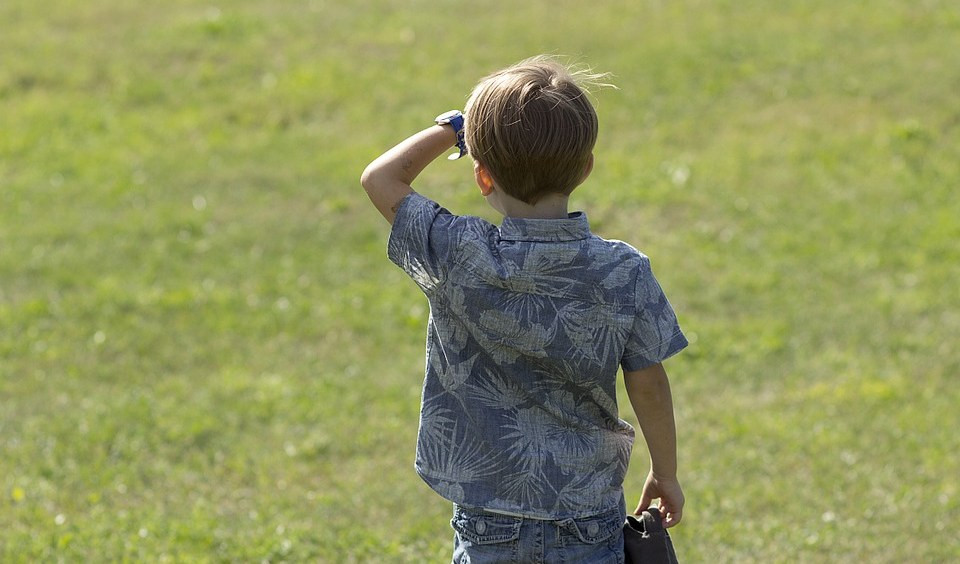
[
  {"x": 593, "y": 528},
  {"x": 481, "y": 526}
]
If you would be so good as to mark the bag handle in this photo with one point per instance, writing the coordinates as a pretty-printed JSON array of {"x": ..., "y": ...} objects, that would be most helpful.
[{"x": 652, "y": 521}]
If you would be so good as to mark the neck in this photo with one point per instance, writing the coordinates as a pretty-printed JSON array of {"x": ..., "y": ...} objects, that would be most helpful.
[{"x": 552, "y": 206}]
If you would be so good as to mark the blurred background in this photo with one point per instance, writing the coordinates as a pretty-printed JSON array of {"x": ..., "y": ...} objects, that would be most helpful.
[{"x": 206, "y": 356}]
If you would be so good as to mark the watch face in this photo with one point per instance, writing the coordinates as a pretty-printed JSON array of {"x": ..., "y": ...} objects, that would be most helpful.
[{"x": 445, "y": 117}]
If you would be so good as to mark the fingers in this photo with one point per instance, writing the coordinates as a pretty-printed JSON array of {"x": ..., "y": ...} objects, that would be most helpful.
[
  {"x": 671, "y": 503},
  {"x": 668, "y": 515},
  {"x": 671, "y": 510},
  {"x": 671, "y": 518}
]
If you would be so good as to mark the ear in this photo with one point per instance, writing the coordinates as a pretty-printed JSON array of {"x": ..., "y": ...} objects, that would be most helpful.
[
  {"x": 483, "y": 178},
  {"x": 588, "y": 169}
]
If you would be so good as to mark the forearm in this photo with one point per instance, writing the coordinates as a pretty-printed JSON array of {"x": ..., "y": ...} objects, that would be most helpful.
[
  {"x": 389, "y": 177},
  {"x": 649, "y": 393}
]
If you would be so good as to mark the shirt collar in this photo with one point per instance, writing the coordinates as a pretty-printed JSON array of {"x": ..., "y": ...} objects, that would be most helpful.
[{"x": 574, "y": 228}]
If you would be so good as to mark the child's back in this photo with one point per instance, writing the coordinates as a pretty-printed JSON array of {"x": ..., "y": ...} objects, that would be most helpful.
[{"x": 529, "y": 324}]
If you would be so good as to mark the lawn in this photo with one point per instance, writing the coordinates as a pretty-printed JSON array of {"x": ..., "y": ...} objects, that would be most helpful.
[{"x": 205, "y": 355}]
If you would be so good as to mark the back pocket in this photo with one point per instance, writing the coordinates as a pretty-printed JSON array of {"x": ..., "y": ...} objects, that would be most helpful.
[{"x": 593, "y": 539}]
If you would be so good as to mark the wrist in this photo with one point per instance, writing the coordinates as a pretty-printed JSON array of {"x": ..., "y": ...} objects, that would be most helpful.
[
  {"x": 663, "y": 476},
  {"x": 449, "y": 133}
]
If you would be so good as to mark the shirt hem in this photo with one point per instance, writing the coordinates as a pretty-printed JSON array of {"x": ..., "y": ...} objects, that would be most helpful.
[
  {"x": 645, "y": 362},
  {"x": 428, "y": 478}
]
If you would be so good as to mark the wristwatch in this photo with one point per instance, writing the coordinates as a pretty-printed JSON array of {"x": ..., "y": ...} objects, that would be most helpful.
[{"x": 454, "y": 118}]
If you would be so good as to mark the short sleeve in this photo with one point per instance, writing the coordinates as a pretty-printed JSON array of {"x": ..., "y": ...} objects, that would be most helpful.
[
  {"x": 655, "y": 335},
  {"x": 422, "y": 240}
]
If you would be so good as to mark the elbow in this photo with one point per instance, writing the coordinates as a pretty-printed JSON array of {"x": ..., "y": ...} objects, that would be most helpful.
[
  {"x": 367, "y": 178},
  {"x": 374, "y": 179}
]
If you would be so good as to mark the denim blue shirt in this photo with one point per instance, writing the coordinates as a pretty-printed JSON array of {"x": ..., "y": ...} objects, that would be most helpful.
[{"x": 528, "y": 325}]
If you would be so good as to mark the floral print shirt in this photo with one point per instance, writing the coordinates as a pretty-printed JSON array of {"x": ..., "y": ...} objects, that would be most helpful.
[{"x": 528, "y": 325}]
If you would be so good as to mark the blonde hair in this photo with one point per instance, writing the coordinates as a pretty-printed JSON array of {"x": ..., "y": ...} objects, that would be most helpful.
[{"x": 532, "y": 127}]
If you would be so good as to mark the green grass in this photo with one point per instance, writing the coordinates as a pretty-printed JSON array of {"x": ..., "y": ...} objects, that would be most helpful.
[{"x": 205, "y": 355}]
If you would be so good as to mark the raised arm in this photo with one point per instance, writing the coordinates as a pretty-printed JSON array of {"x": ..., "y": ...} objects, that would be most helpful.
[
  {"x": 649, "y": 393},
  {"x": 388, "y": 178}
]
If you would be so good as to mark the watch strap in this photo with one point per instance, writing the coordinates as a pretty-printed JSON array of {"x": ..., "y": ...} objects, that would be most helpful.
[{"x": 454, "y": 118}]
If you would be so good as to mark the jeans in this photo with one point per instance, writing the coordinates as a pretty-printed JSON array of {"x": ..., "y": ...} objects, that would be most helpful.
[{"x": 483, "y": 537}]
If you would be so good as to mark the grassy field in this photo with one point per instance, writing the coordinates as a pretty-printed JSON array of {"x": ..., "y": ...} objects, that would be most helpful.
[{"x": 205, "y": 355}]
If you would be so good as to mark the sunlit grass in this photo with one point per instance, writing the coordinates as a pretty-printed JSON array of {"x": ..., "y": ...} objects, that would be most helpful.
[{"x": 205, "y": 355}]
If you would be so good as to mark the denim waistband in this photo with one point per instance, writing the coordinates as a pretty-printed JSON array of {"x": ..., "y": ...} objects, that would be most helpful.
[{"x": 602, "y": 514}]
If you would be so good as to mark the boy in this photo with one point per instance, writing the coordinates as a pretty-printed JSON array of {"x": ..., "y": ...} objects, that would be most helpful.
[{"x": 528, "y": 325}]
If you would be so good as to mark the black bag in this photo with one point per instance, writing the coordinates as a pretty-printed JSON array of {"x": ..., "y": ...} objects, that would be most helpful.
[{"x": 645, "y": 541}]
